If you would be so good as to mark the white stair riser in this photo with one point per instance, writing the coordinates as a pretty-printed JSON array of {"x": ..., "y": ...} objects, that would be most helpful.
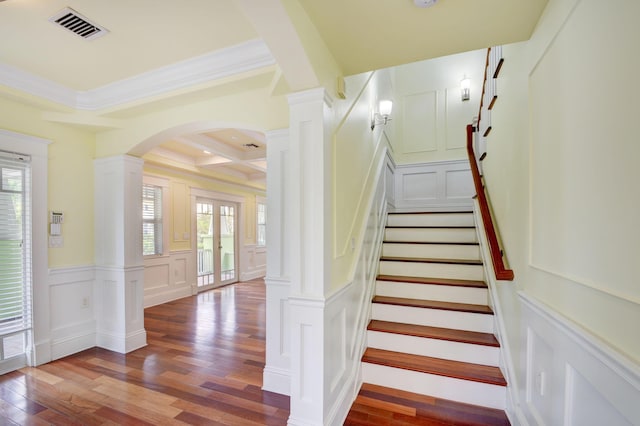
[
  {"x": 432, "y": 251},
  {"x": 442, "y": 293},
  {"x": 433, "y": 270},
  {"x": 433, "y": 317},
  {"x": 465, "y": 391},
  {"x": 436, "y": 348},
  {"x": 431, "y": 219},
  {"x": 433, "y": 235}
]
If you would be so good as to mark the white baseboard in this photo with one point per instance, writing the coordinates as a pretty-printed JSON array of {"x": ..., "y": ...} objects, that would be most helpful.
[
  {"x": 122, "y": 344},
  {"x": 252, "y": 275},
  {"x": 42, "y": 352},
  {"x": 167, "y": 296},
  {"x": 72, "y": 344},
  {"x": 276, "y": 380}
]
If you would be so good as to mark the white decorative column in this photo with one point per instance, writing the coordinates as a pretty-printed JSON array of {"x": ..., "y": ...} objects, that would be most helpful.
[
  {"x": 309, "y": 234},
  {"x": 118, "y": 254},
  {"x": 277, "y": 370}
]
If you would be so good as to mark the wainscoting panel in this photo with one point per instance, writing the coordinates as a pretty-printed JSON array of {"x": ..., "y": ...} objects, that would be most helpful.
[
  {"x": 443, "y": 185},
  {"x": 73, "y": 324},
  {"x": 253, "y": 262},
  {"x": 169, "y": 277},
  {"x": 419, "y": 187},
  {"x": 572, "y": 377},
  {"x": 420, "y": 122},
  {"x": 349, "y": 310},
  {"x": 277, "y": 370}
]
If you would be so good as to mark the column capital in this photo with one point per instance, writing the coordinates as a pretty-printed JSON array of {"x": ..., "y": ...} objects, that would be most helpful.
[{"x": 318, "y": 94}]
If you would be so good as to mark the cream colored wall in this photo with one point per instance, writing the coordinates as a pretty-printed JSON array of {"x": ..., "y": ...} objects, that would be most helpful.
[
  {"x": 70, "y": 179},
  {"x": 561, "y": 167},
  {"x": 430, "y": 116},
  {"x": 180, "y": 215},
  {"x": 357, "y": 151}
]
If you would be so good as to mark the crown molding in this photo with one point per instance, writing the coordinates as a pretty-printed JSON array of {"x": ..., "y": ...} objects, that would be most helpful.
[
  {"x": 248, "y": 56},
  {"x": 35, "y": 85}
]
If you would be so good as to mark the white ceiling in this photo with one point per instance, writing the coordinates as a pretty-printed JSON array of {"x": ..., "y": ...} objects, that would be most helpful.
[{"x": 161, "y": 54}]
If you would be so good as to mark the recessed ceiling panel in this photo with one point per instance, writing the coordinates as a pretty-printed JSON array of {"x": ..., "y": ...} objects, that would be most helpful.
[{"x": 246, "y": 141}]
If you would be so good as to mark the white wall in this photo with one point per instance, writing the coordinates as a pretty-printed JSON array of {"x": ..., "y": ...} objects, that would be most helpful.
[
  {"x": 560, "y": 170},
  {"x": 439, "y": 185},
  {"x": 431, "y": 117}
]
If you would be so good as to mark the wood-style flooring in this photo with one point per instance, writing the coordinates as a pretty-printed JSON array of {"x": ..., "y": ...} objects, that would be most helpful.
[{"x": 202, "y": 366}]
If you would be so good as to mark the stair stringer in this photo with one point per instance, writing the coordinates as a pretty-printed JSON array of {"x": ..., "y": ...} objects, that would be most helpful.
[{"x": 512, "y": 404}]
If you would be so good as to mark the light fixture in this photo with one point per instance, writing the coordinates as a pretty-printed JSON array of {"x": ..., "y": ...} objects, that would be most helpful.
[
  {"x": 382, "y": 116},
  {"x": 465, "y": 88},
  {"x": 424, "y": 3}
]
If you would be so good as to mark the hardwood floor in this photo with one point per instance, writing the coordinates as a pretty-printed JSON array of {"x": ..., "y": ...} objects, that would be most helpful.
[
  {"x": 202, "y": 366},
  {"x": 378, "y": 406}
]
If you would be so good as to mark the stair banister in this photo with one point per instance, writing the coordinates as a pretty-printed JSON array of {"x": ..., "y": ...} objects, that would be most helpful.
[{"x": 497, "y": 260}]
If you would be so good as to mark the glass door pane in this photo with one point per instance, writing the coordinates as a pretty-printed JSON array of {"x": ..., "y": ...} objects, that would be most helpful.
[
  {"x": 227, "y": 244},
  {"x": 15, "y": 262},
  {"x": 205, "y": 235}
]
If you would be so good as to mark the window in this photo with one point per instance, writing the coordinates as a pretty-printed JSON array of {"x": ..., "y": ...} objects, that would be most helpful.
[
  {"x": 15, "y": 256},
  {"x": 151, "y": 220},
  {"x": 261, "y": 230}
]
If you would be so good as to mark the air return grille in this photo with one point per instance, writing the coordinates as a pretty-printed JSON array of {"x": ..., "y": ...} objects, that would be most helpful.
[{"x": 78, "y": 24}]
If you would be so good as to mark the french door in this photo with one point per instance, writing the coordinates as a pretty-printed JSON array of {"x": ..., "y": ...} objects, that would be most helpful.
[
  {"x": 15, "y": 261},
  {"x": 216, "y": 228}
]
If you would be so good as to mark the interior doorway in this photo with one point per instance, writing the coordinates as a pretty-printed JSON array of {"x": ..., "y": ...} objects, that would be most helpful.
[{"x": 216, "y": 230}]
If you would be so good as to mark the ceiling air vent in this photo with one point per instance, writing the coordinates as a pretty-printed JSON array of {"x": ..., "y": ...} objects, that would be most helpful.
[{"x": 78, "y": 24}]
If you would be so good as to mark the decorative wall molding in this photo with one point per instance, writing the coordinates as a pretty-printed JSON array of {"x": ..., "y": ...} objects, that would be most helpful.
[
  {"x": 277, "y": 370},
  {"x": 348, "y": 310},
  {"x": 244, "y": 57},
  {"x": 253, "y": 262},
  {"x": 571, "y": 376},
  {"x": 168, "y": 278},
  {"x": 588, "y": 284},
  {"x": 72, "y": 310},
  {"x": 442, "y": 185},
  {"x": 37, "y": 86}
]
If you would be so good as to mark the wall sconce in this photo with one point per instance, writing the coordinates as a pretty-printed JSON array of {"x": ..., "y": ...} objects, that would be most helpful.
[
  {"x": 465, "y": 88},
  {"x": 382, "y": 117}
]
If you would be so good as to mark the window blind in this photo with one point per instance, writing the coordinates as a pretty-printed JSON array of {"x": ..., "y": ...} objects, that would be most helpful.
[
  {"x": 151, "y": 220},
  {"x": 15, "y": 254}
]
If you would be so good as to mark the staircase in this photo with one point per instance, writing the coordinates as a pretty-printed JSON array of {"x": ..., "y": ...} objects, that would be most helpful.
[{"x": 431, "y": 331}]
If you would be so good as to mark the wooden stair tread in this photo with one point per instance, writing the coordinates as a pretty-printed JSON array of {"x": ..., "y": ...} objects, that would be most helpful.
[
  {"x": 436, "y": 281},
  {"x": 441, "y": 243},
  {"x": 385, "y": 400},
  {"x": 441, "y": 367},
  {"x": 447, "y": 212},
  {"x": 461, "y": 336},
  {"x": 433, "y": 304},
  {"x": 429, "y": 227},
  {"x": 431, "y": 260}
]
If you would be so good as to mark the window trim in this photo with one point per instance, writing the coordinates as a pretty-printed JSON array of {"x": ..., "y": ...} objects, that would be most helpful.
[
  {"x": 261, "y": 201},
  {"x": 163, "y": 184}
]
